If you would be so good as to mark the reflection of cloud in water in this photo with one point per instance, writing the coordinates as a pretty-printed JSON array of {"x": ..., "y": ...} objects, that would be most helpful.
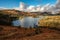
[{"x": 26, "y": 22}]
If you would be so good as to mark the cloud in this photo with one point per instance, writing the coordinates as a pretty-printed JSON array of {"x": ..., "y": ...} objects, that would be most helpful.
[
  {"x": 31, "y": 8},
  {"x": 22, "y": 6},
  {"x": 45, "y": 7},
  {"x": 55, "y": 8},
  {"x": 38, "y": 8},
  {"x": 58, "y": 4},
  {"x": 26, "y": 8}
]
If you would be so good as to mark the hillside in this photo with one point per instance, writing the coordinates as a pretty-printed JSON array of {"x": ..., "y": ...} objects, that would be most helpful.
[
  {"x": 12, "y": 11},
  {"x": 50, "y": 21},
  {"x": 18, "y": 33}
]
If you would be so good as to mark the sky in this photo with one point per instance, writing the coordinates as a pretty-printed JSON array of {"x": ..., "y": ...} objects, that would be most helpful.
[{"x": 16, "y": 3}]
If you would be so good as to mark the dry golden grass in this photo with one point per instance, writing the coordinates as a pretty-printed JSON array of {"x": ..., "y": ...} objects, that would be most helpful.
[{"x": 50, "y": 21}]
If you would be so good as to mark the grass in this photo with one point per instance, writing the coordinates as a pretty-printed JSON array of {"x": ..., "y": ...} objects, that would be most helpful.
[
  {"x": 50, "y": 21},
  {"x": 13, "y": 33}
]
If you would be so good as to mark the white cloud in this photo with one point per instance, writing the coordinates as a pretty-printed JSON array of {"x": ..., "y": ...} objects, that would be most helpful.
[
  {"x": 38, "y": 8},
  {"x": 31, "y": 8},
  {"x": 52, "y": 8},
  {"x": 56, "y": 8},
  {"x": 23, "y": 6},
  {"x": 58, "y": 4},
  {"x": 45, "y": 7}
]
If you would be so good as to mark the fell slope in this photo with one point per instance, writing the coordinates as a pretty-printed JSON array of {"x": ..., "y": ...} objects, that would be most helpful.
[
  {"x": 50, "y": 21},
  {"x": 16, "y": 33}
]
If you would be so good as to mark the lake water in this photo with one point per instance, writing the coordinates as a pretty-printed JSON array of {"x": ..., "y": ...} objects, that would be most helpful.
[{"x": 27, "y": 22}]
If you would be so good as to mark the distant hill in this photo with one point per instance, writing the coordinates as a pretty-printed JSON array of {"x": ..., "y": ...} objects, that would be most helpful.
[
  {"x": 6, "y": 16},
  {"x": 9, "y": 11},
  {"x": 14, "y": 12},
  {"x": 17, "y": 12},
  {"x": 21, "y": 13}
]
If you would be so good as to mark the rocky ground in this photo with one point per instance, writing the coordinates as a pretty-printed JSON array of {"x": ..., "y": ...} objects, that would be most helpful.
[{"x": 16, "y": 33}]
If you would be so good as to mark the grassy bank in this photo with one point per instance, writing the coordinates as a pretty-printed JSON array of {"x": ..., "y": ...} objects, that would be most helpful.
[{"x": 50, "y": 21}]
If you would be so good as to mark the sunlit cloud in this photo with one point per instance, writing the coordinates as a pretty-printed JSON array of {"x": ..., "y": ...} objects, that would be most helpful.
[{"x": 45, "y": 7}]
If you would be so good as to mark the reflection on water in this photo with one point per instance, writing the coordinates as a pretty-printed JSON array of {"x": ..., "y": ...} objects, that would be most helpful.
[{"x": 26, "y": 22}]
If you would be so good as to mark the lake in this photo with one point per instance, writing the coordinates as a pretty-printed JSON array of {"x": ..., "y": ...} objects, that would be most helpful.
[{"x": 27, "y": 22}]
